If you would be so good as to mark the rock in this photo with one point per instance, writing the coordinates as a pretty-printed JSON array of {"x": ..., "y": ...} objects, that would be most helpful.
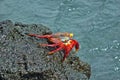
[{"x": 22, "y": 59}]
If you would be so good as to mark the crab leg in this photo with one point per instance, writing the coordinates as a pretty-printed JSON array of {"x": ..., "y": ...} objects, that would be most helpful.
[
  {"x": 51, "y": 45},
  {"x": 51, "y": 52},
  {"x": 65, "y": 55},
  {"x": 38, "y": 36}
]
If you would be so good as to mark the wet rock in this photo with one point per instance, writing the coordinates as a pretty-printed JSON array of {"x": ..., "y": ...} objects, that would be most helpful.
[{"x": 22, "y": 59}]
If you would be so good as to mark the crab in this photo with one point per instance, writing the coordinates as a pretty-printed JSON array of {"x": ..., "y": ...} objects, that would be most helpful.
[{"x": 63, "y": 41}]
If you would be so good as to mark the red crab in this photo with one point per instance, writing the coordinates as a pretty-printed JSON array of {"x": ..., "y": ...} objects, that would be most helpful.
[{"x": 61, "y": 40}]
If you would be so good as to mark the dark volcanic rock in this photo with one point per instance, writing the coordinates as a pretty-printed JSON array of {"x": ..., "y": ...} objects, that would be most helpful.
[{"x": 22, "y": 59}]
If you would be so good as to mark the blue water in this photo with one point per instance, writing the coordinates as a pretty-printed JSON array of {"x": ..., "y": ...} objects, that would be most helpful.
[{"x": 95, "y": 24}]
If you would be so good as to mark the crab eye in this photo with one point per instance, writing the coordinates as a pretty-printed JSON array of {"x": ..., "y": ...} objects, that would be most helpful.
[{"x": 71, "y": 34}]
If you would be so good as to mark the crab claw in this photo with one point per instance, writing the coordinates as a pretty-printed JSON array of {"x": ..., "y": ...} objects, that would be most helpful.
[{"x": 68, "y": 47}]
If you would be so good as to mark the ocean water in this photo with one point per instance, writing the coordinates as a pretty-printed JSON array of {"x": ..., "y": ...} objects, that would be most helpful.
[{"x": 95, "y": 24}]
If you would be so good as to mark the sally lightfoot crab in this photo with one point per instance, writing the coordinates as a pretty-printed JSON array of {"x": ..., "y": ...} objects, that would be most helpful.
[{"x": 61, "y": 40}]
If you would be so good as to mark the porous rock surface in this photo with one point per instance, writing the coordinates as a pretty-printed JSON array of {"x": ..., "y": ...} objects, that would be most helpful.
[{"x": 22, "y": 59}]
